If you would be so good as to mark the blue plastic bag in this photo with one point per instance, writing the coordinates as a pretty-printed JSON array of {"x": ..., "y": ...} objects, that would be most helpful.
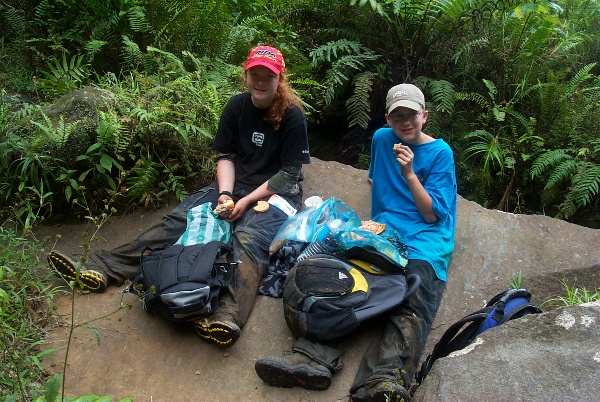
[{"x": 303, "y": 226}]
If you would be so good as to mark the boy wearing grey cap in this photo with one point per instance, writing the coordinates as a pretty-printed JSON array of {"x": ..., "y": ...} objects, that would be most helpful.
[{"x": 414, "y": 191}]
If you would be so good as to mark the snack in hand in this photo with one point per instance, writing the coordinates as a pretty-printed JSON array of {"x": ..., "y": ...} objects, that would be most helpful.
[
  {"x": 261, "y": 206},
  {"x": 226, "y": 206},
  {"x": 372, "y": 226}
]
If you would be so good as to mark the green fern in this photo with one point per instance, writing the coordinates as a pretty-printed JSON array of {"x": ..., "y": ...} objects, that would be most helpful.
[
  {"x": 358, "y": 104},
  {"x": 64, "y": 76},
  {"x": 142, "y": 179},
  {"x": 547, "y": 160},
  {"x": 16, "y": 21},
  {"x": 561, "y": 173},
  {"x": 441, "y": 93},
  {"x": 479, "y": 99},
  {"x": 334, "y": 50},
  {"x": 466, "y": 49},
  {"x": 138, "y": 20},
  {"x": 586, "y": 183},
  {"x": 131, "y": 53}
]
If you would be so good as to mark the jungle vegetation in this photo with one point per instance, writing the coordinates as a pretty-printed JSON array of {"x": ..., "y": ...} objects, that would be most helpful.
[{"x": 513, "y": 86}]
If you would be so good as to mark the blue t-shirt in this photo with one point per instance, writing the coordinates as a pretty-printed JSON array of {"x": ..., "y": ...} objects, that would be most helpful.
[{"x": 392, "y": 202}]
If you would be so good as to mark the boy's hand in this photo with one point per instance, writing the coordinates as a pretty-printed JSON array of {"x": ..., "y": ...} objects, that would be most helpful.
[{"x": 404, "y": 156}]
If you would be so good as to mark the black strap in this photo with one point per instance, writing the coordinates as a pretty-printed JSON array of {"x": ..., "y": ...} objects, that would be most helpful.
[
  {"x": 452, "y": 340},
  {"x": 206, "y": 259}
]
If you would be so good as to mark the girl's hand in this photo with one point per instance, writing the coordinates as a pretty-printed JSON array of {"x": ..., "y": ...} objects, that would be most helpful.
[{"x": 238, "y": 210}]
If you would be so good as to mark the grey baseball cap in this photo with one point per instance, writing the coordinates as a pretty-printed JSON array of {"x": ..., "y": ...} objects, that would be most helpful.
[{"x": 406, "y": 95}]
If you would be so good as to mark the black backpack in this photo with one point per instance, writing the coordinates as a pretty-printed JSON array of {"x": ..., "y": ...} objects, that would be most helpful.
[
  {"x": 326, "y": 296},
  {"x": 183, "y": 283},
  {"x": 508, "y": 305}
]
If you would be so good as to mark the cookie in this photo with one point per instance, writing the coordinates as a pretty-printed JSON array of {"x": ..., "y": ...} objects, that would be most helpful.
[
  {"x": 226, "y": 206},
  {"x": 262, "y": 206}
]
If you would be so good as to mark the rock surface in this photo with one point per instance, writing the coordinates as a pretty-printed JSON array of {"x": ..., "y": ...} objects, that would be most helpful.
[{"x": 145, "y": 358}]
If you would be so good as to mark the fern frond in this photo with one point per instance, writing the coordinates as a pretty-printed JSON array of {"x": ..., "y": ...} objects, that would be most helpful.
[
  {"x": 547, "y": 160},
  {"x": 492, "y": 90},
  {"x": 451, "y": 10},
  {"x": 131, "y": 53},
  {"x": 138, "y": 21},
  {"x": 586, "y": 184},
  {"x": 341, "y": 72},
  {"x": 442, "y": 95},
  {"x": 170, "y": 58},
  {"x": 358, "y": 104},
  {"x": 142, "y": 178},
  {"x": 524, "y": 121},
  {"x": 473, "y": 97},
  {"x": 561, "y": 173},
  {"x": 330, "y": 50},
  {"x": 93, "y": 46},
  {"x": 17, "y": 22},
  {"x": 582, "y": 75},
  {"x": 466, "y": 48},
  {"x": 567, "y": 208}
]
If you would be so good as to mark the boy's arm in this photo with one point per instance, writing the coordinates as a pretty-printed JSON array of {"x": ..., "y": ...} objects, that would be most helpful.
[{"x": 423, "y": 201}]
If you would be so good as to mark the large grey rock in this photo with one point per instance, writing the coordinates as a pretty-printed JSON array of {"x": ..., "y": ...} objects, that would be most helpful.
[
  {"x": 554, "y": 356},
  {"x": 143, "y": 357}
]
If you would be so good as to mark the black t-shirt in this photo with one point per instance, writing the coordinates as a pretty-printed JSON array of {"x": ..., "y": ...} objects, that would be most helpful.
[{"x": 260, "y": 150}]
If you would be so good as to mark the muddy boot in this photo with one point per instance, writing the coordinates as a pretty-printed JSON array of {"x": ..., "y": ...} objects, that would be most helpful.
[
  {"x": 383, "y": 391},
  {"x": 219, "y": 328},
  {"x": 310, "y": 365},
  {"x": 87, "y": 278}
]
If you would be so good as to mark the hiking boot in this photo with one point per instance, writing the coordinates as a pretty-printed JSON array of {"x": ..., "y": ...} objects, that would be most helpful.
[
  {"x": 384, "y": 391},
  {"x": 88, "y": 279},
  {"x": 297, "y": 369},
  {"x": 221, "y": 332}
]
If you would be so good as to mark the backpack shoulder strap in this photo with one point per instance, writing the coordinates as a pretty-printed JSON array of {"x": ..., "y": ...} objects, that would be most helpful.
[
  {"x": 455, "y": 338},
  {"x": 210, "y": 253},
  {"x": 501, "y": 299}
]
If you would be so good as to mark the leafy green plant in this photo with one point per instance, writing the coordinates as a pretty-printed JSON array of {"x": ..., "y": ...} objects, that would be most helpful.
[
  {"x": 516, "y": 281},
  {"x": 575, "y": 295},
  {"x": 64, "y": 76},
  {"x": 347, "y": 62},
  {"x": 572, "y": 176},
  {"x": 25, "y": 308}
]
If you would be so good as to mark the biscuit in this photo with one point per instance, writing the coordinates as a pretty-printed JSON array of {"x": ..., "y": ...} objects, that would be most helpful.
[
  {"x": 226, "y": 206},
  {"x": 262, "y": 206},
  {"x": 372, "y": 226}
]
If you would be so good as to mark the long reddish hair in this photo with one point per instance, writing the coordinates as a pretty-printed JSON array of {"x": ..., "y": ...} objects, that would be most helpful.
[{"x": 284, "y": 99}]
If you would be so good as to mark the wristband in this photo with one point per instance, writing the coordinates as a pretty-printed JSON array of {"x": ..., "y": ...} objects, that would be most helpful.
[{"x": 227, "y": 193}]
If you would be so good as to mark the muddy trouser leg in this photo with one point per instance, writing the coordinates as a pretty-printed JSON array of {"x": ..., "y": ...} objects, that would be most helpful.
[
  {"x": 252, "y": 236},
  {"x": 394, "y": 354},
  {"x": 123, "y": 261}
]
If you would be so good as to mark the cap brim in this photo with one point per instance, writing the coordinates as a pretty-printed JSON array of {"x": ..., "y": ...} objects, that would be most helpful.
[
  {"x": 262, "y": 63},
  {"x": 405, "y": 103}
]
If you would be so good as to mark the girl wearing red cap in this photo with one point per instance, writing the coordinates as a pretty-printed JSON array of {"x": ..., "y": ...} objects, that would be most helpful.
[{"x": 261, "y": 144}]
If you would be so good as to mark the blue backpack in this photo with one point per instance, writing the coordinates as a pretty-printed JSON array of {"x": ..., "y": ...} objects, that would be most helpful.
[{"x": 508, "y": 305}]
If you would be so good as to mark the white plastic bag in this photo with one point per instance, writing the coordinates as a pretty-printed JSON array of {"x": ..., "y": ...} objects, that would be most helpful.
[{"x": 203, "y": 226}]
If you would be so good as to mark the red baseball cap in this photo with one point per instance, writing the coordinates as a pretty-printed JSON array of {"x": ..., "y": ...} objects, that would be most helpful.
[{"x": 266, "y": 56}]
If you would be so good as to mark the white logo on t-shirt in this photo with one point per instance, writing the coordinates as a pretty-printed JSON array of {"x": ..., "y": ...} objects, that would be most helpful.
[{"x": 258, "y": 138}]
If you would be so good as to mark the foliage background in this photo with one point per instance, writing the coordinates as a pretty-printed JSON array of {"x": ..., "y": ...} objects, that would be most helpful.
[{"x": 512, "y": 86}]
